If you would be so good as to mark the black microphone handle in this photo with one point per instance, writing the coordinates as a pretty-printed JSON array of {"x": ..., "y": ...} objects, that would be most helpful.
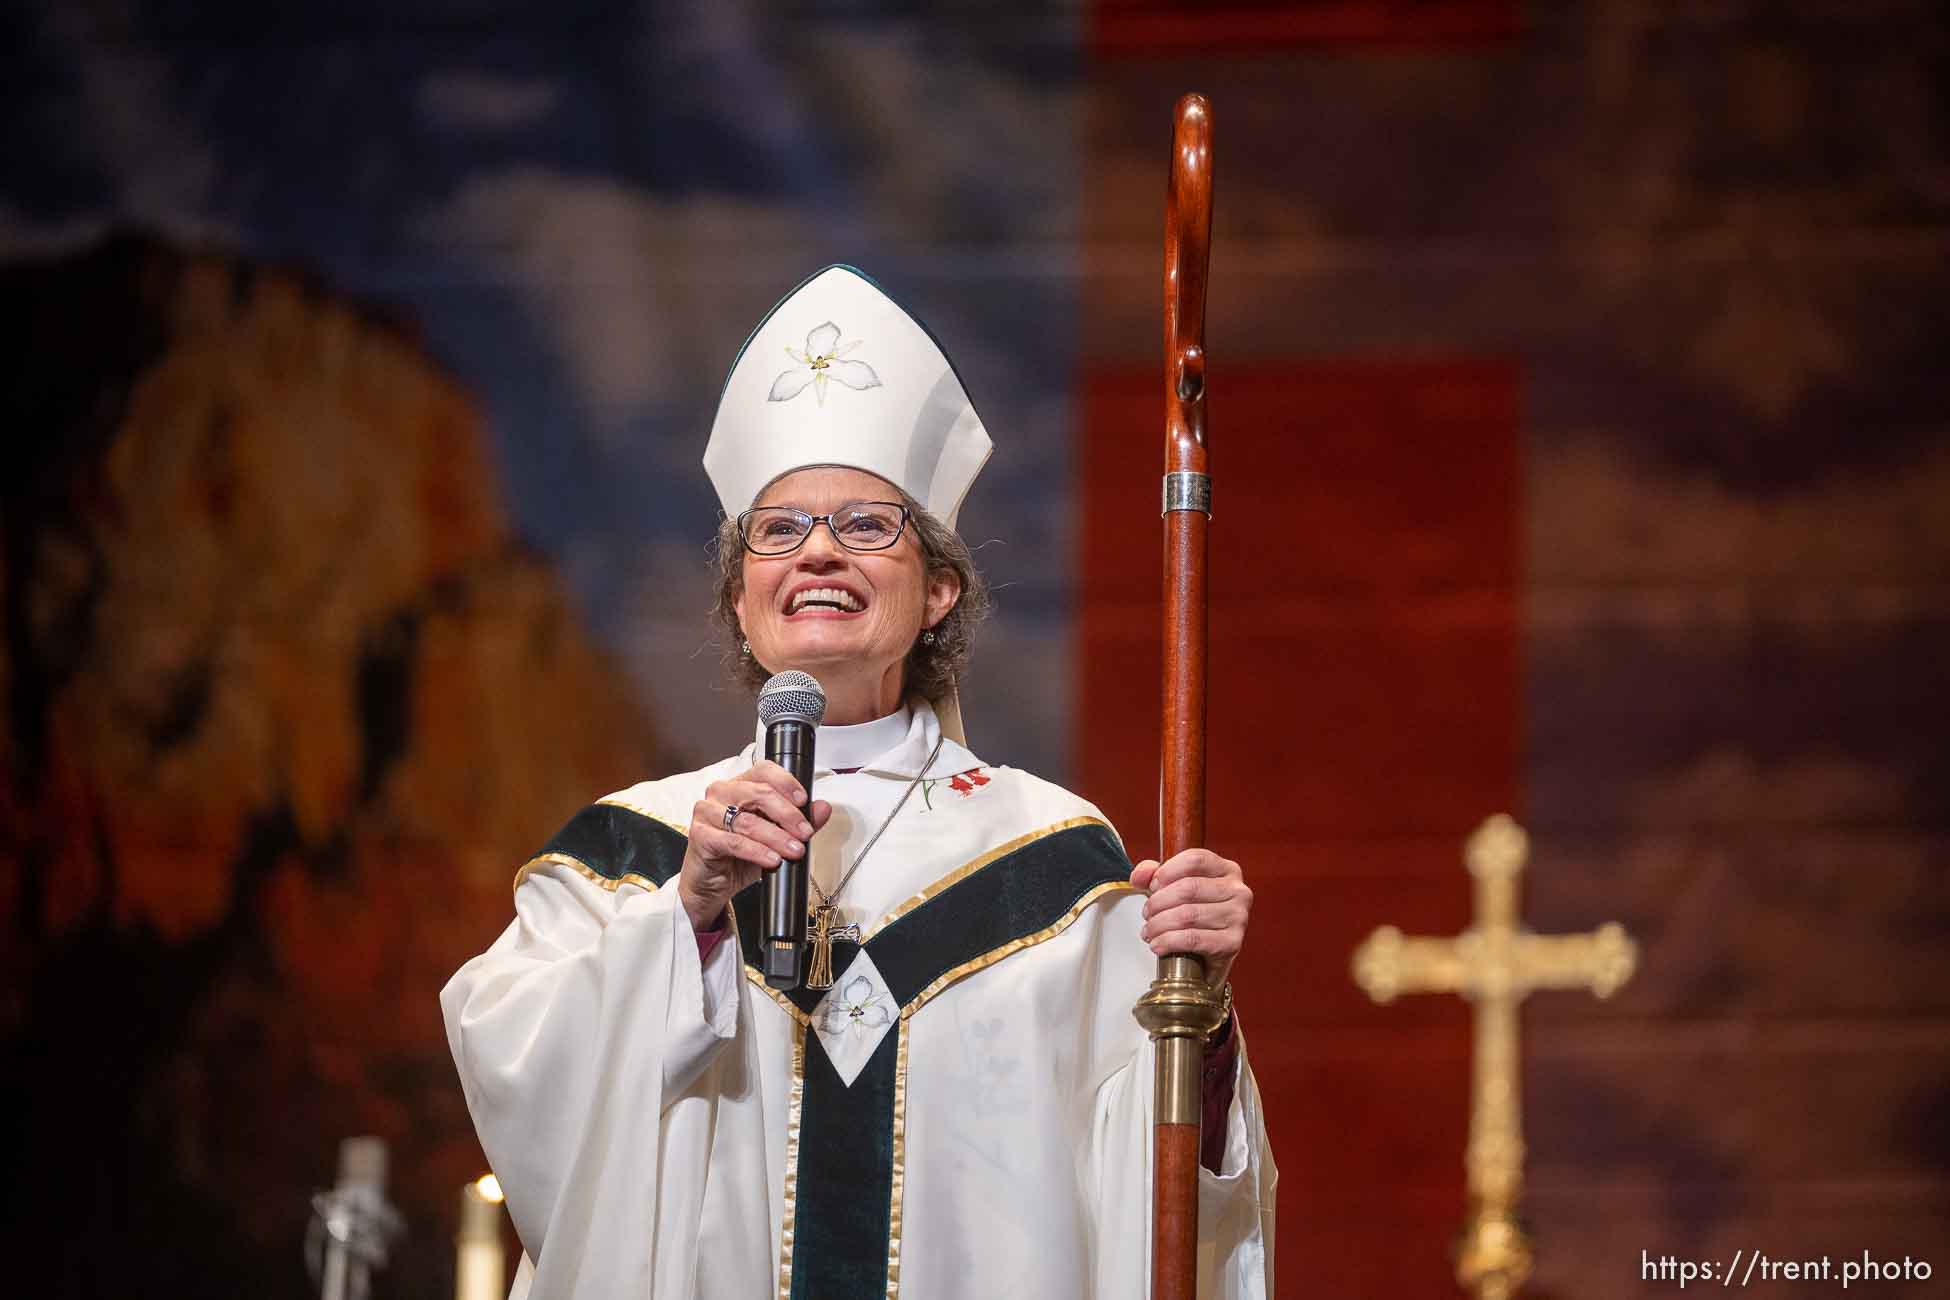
[{"x": 789, "y": 744}]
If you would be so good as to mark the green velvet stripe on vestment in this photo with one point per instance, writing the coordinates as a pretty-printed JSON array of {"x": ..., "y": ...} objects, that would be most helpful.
[
  {"x": 846, "y": 1175},
  {"x": 1011, "y": 898},
  {"x": 615, "y": 842},
  {"x": 844, "y": 1202},
  {"x": 845, "y": 1186}
]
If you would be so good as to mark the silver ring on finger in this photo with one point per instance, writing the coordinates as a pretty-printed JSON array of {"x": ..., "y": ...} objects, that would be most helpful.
[{"x": 730, "y": 814}]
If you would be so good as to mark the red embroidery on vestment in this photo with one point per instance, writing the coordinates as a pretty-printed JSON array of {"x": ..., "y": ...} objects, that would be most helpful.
[{"x": 962, "y": 783}]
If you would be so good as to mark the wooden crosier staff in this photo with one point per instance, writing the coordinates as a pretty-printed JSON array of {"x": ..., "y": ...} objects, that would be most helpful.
[{"x": 1181, "y": 1010}]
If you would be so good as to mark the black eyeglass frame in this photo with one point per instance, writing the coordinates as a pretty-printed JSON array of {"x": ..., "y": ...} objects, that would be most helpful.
[{"x": 813, "y": 521}]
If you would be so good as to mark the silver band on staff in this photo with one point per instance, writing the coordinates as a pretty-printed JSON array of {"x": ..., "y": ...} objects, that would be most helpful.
[{"x": 1188, "y": 491}]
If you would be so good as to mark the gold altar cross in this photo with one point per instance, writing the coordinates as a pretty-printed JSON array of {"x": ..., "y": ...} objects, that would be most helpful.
[{"x": 1494, "y": 964}]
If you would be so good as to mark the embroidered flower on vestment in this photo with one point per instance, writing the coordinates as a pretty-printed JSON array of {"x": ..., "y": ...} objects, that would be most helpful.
[
  {"x": 962, "y": 783},
  {"x": 857, "y": 1007},
  {"x": 822, "y": 360}
]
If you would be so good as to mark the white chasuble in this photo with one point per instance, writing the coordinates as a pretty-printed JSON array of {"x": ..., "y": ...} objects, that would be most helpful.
[{"x": 966, "y": 1112}]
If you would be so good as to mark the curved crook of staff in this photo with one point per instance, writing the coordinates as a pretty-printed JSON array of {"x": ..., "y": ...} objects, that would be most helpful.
[{"x": 1180, "y": 1009}]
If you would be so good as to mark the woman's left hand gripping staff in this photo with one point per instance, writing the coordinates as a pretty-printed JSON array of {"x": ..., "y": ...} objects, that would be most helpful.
[{"x": 1198, "y": 904}]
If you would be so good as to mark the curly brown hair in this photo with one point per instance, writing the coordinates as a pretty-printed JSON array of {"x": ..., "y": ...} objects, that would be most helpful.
[{"x": 930, "y": 669}]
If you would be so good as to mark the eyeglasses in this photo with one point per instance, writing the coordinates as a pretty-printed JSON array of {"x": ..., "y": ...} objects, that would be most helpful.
[{"x": 860, "y": 526}]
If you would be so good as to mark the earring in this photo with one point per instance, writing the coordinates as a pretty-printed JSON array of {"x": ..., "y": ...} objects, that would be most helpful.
[
  {"x": 927, "y": 637},
  {"x": 745, "y": 647}
]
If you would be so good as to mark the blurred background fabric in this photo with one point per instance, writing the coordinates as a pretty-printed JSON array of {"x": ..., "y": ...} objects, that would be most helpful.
[{"x": 1579, "y": 416}]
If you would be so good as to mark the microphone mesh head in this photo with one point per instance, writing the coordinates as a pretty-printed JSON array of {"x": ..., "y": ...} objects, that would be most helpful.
[{"x": 794, "y": 696}]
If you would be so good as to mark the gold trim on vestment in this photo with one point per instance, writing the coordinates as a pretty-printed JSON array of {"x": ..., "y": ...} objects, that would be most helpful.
[
  {"x": 757, "y": 980},
  {"x": 900, "y": 1166},
  {"x": 995, "y": 955},
  {"x": 615, "y": 801},
  {"x": 611, "y": 883},
  {"x": 927, "y": 894},
  {"x": 969, "y": 868},
  {"x": 796, "y": 1094},
  {"x": 795, "y": 1103}
]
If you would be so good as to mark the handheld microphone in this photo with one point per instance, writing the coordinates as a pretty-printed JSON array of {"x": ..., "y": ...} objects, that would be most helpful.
[{"x": 790, "y": 705}]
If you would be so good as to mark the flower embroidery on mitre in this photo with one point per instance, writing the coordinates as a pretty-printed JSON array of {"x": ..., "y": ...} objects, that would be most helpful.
[
  {"x": 859, "y": 1007},
  {"x": 824, "y": 359}
]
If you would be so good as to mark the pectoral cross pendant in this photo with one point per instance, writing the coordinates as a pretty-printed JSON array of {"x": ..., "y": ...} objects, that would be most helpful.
[{"x": 820, "y": 933}]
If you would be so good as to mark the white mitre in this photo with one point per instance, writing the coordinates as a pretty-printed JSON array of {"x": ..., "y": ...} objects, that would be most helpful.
[{"x": 838, "y": 373}]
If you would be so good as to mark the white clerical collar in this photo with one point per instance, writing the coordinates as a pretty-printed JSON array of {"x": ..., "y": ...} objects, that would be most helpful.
[
  {"x": 859, "y": 745},
  {"x": 896, "y": 745},
  {"x": 905, "y": 758}
]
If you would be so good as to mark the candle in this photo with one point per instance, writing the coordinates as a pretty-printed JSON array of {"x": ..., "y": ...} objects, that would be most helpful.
[{"x": 480, "y": 1268}]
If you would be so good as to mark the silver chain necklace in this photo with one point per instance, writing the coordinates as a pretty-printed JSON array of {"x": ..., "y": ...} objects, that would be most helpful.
[{"x": 820, "y": 927}]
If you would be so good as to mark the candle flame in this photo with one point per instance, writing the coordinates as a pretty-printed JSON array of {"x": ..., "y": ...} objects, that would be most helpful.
[{"x": 488, "y": 1187}]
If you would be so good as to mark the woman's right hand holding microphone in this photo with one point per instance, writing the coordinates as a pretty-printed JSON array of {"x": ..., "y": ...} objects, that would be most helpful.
[{"x": 772, "y": 820}]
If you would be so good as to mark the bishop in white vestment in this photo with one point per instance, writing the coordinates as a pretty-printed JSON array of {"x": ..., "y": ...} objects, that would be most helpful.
[{"x": 966, "y": 1110}]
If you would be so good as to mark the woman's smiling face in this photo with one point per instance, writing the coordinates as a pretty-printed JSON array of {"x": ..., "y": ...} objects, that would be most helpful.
[{"x": 847, "y": 617}]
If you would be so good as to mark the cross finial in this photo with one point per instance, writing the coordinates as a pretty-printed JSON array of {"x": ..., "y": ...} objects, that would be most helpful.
[{"x": 1497, "y": 849}]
